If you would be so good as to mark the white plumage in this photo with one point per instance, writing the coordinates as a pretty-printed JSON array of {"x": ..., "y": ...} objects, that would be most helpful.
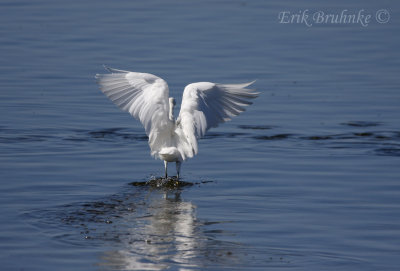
[{"x": 146, "y": 98}]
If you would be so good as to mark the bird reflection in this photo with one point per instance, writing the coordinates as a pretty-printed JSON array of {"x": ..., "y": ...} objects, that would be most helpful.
[{"x": 164, "y": 232}]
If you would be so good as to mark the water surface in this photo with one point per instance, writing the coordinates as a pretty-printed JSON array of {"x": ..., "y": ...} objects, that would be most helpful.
[{"x": 305, "y": 179}]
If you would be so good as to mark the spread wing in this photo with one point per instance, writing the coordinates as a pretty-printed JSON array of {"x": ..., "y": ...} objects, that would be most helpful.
[
  {"x": 143, "y": 95},
  {"x": 206, "y": 105}
]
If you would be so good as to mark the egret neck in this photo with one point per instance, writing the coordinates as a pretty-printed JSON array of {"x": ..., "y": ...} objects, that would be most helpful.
[{"x": 171, "y": 109}]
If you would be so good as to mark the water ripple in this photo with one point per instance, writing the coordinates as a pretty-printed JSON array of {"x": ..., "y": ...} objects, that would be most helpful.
[
  {"x": 361, "y": 123},
  {"x": 381, "y": 142},
  {"x": 145, "y": 227}
]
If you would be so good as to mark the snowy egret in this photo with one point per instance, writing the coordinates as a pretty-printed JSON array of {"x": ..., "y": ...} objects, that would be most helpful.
[{"x": 146, "y": 98}]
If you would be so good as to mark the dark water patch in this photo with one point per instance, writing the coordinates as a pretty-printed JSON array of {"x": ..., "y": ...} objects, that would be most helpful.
[
  {"x": 40, "y": 135},
  {"x": 388, "y": 152},
  {"x": 273, "y": 137},
  {"x": 344, "y": 136},
  {"x": 256, "y": 127},
  {"x": 76, "y": 139},
  {"x": 94, "y": 220},
  {"x": 317, "y": 137},
  {"x": 97, "y": 212},
  {"x": 393, "y": 136},
  {"x": 212, "y": 135},
  {"x": 364, "y": 134},
  {"x": 383, "y": 137},
  {"x": 8, "y": 135},
  {"x": 104, "y": 132},
  {"x": 111, "y": 134},
  {"x": 23, "y": 139},
  {"x": 386, "y": 135},
  {"x": 376, "y": 142},
  {"x": 361, "y": 123},
  {"x": 116, "y": 133}
]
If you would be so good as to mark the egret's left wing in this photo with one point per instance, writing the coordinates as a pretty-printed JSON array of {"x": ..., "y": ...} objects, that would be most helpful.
[
  {"x": 206, "y": 105},
  {"x": 143, "y": 95}
]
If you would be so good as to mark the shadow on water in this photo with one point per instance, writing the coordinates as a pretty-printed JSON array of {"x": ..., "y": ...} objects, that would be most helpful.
[{"x": 147, "y": 226}]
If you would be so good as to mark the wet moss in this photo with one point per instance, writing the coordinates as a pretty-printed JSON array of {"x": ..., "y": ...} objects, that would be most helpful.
[{"x": 170, "y": 182}]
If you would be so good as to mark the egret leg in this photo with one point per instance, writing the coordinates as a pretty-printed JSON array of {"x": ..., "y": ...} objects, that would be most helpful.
[
  {"x": 165, "y": 165},
  {"x": 178, "y": 168}
]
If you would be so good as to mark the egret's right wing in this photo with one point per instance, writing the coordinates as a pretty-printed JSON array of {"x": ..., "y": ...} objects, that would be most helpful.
[
  {"x": 143, "y": 95},
  {"x": 205, "y": 105}
]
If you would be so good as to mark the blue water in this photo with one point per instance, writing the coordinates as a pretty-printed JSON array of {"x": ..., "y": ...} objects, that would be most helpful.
[{"x": 306, "y": 179}]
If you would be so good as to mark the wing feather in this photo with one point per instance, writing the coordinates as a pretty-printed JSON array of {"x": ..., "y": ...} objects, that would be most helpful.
[
  {"x": 206, "y": 105},
  {"x": 143, "y": 95}
]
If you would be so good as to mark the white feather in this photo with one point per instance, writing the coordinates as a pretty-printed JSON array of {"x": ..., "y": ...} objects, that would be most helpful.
[
  {"x": 204, "y": 105},
  {"x": 145, "y": 97}
]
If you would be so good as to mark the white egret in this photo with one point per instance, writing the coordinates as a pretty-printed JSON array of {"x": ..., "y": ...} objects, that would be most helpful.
[{"x": 146, "y": 98}]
